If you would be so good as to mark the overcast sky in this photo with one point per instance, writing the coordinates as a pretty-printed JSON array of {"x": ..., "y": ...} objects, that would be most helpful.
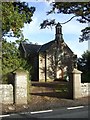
[{"x": 71, "y": 30}]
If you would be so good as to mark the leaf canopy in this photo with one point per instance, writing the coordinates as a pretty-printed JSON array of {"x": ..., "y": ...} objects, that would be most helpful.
[{"x": 14, "y": 15}]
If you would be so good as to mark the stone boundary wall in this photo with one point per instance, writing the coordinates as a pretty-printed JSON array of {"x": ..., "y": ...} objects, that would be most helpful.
[
  {"x": 85, "y": 89},
  {"x": 6, "y": 94}
]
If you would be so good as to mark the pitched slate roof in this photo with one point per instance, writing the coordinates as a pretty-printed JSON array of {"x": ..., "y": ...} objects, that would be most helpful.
[
  {"x": 33, "y": 48},
  {"x": 30, "y": 48},
  {"x": 44, "y": 47}
]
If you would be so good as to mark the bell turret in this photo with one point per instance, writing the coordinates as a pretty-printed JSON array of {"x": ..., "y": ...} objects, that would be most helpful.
[{"x": 58, "y": 34}]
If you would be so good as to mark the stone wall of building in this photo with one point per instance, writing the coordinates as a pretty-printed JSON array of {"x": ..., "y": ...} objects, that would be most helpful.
[
  {"x": 85, "y": 89},
  {"x": 6, "y": 93},
  {"x": 41, "y": 68}
]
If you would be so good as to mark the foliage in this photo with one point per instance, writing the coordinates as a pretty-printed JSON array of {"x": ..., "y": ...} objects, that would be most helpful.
[
  {"x": 11, "y": 59},
  {"x": 84, "y": 66},
  {"x": 14, "y": 15},
  {"x": 81, "y": 10}
]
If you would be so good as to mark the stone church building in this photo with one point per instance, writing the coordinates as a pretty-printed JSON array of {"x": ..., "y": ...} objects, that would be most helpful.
[{"x": 51, "y": 61}]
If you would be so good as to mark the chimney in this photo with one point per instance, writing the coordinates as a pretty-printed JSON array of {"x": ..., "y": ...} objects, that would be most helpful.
[{"x": 58, "y": 35}]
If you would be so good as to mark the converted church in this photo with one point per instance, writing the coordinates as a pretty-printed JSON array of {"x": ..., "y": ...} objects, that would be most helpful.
[{"x": 51, "y": 61}]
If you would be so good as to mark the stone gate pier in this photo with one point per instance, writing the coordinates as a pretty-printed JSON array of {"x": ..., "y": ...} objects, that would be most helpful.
[
  {"x": 20, "y": 87},
  {"x": 76, "y": 83}
]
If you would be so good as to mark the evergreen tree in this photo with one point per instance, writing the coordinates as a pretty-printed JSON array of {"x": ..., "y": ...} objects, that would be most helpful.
[{"x": 84, "y": 66}]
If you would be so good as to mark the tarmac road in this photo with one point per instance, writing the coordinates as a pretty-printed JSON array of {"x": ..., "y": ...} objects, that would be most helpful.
[{"x": 70, "y": 112}]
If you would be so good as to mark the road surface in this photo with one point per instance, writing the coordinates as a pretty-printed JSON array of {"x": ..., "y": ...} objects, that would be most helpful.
[{"x": 70, "y": 112}]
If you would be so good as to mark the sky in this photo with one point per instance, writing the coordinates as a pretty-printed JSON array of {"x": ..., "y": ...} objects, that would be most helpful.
[{"x": 71, "y": 30}]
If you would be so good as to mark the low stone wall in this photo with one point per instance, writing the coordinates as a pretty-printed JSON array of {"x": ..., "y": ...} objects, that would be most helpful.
[
  {"x": 6, "y": 94},
  {"x": 85, "y": 89}
]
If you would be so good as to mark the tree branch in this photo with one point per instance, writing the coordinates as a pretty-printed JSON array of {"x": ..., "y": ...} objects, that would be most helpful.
[
  {"x": 86, "y": 18},
  {"x": 69, "y": 20}
]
